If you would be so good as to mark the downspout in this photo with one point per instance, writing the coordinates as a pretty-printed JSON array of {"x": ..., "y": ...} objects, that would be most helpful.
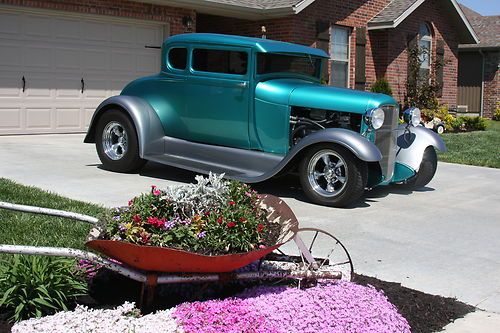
[{"x": 482, "y": 83}]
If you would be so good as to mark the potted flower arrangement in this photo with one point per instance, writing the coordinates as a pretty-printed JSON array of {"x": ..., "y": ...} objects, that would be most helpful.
[{"x": 178, "y": 228}]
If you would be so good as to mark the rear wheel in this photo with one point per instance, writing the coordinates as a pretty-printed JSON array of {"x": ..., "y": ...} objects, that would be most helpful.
[
  {"x": 116, "y": 142},
  {"x": 427, "y": 170},
  {"x": 331, "y": 175}
]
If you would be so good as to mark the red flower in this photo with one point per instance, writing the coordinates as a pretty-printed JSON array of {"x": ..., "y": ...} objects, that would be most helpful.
[
  {"x": 242, "y": 219},
  {"x": 207, "y": 213},
  {"x": 260, "y": 227},
  {"x": 219, "y": 220},
  {"x": 156, "y": 222},
  {"x": 231, "y": 225},
  {"x": 131, "y": 202},
  {"x": 232, "y": 203},
  {"x": 136, "y": 218},
  {"x": 156, "y": 193}
]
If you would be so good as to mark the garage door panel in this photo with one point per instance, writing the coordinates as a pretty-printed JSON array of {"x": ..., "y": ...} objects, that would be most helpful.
[
  {"x": 10, "y": 23},
  {"x": 68, "y": 87},
  {"x": 96, "y": 88},
  {"x": 10, "y": 55},
  {"x": 67, "y": 29},
  {"x": 96, "y": 31},
  {"x": 38, "y": 26},
  {"x": 38, "y": 87},
  {"x": 10, "y": 118},
  {"x": 122, "y": 33},
  {"x": 96, "y": 60},
  {"x": 123, "y": 61},
  {"x": 117, "y": 85},
  {"x": 148, "y": 36},
  {"x": 38, "y": 57},
  {"x": 67, "y": 59},
  {"x": 10, "y": 86},
  {"x": 68, "y": 118},
  {"x": 38, "y": 118}
]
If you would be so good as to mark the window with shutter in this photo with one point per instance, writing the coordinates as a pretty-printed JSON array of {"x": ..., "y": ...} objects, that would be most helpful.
[{"x": 339, "y": 55}]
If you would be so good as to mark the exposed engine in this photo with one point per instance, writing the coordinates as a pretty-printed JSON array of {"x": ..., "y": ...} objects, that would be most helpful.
[{"x": 304, "y": 121}]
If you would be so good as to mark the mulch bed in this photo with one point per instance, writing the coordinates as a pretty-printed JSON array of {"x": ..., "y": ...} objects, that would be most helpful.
[{"x": 425, "y": 313}]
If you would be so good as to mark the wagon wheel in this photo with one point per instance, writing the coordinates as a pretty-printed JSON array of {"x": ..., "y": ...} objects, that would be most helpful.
[{"x": 328, "y": 253}]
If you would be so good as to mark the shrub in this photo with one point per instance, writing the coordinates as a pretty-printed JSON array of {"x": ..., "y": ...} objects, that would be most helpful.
[
  {"x": 382, "y": 86},
  {"x": 36, "y": 285},
  {"x": 496, "y": 116},
  {"x": 467, "y": 124},
  {"x": 212, "y": 217}
]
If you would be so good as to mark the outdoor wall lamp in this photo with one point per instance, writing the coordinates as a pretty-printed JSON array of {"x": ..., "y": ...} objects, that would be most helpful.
[{"x": 187, "y": 22}]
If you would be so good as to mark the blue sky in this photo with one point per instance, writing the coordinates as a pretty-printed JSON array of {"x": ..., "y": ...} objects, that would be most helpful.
[{"x": 483, "y": 7}]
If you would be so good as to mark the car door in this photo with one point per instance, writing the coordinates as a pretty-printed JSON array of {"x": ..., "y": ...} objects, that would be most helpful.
[{"x": 218, "y": 98}]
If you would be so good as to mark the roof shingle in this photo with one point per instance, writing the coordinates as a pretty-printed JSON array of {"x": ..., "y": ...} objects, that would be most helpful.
[
  {"x": 486, "y": 27},
  {"x": 393, "y": 10}
]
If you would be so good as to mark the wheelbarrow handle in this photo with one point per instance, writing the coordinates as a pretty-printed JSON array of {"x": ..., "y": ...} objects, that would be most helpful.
[{"x": 48, "y": 211}]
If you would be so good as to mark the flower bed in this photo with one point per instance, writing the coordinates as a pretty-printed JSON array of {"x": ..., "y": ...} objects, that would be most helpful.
[
  {"x": 334, "y": 307},
  {"x": 212, "y": 217}
]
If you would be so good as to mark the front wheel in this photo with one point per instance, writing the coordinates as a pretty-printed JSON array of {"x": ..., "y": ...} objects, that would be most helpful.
[
  {"x": 116, "y": 142},
  {"x": 331, "y": 175},
  {"x": 427, "y": 170}
]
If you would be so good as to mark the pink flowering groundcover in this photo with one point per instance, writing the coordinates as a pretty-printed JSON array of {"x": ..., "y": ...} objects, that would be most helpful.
[{"x": 332, "y": 307}]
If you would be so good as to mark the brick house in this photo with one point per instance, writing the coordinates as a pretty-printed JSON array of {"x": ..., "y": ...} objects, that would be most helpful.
[
  {"x": 478, "y": 70},
  {"x": 60, "y": 58}
]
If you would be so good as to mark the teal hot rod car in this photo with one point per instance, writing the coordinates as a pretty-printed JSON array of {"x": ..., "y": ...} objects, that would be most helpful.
[{"x": 254, "y": 108}]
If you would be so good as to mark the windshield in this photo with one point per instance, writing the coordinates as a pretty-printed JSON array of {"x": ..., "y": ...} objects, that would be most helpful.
[{"x": 304, "y": 64}]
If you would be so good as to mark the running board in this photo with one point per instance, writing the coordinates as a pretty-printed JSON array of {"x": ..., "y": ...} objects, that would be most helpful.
[{"x": 241, "y": 164}]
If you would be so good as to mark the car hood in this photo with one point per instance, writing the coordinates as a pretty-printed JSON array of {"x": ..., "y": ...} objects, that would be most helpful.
[{"x": 296, "y": 92}]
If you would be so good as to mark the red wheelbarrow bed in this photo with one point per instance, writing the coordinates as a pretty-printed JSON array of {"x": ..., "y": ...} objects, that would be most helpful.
[{"x": 162, "y": 259}]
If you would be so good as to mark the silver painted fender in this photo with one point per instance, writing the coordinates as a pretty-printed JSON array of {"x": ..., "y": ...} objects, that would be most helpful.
[
  {"x": 412, "y": 142},
  {"x": 361, "y": 147},
  {"x": 147, "y": 124}
]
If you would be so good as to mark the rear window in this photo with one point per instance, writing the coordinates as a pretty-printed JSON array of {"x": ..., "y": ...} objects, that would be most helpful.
[
  {"x": 220, "y": 61},
  {"x": 177, "y": 57}
]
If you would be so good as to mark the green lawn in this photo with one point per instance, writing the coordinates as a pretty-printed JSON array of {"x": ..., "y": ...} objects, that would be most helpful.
[
  {"x": 481, "y": 148},
  {"x": 30, "y": 229}
]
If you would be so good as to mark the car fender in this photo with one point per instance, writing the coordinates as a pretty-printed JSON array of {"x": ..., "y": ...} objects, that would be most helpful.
[
  {"x": 412, "y": 142},
  {"x": 361, "y": 147},
  {"x": 146, "y": 121}
]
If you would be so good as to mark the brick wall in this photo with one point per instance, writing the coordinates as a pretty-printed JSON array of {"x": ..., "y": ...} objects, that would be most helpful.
[
  {"x": 491, "y": 96},
  {"x": 385, "y": 49},
  {"x": 117, "y": 8}
]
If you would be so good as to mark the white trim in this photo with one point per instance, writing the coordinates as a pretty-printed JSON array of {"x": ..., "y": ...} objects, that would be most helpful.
[
  {"x": 411, "y": 9},
  {"x": 70, "y": 14},
  {"x": 465, "y": 20},
  {"x": 297, "y": 8}
]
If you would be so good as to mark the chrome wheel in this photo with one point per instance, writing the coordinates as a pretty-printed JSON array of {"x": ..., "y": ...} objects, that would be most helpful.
[
  {"x": 114, "y": 140},
  {"x": 327, "y": 173}
]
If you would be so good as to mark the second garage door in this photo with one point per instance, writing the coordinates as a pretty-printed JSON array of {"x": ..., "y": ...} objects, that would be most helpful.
[{"x": 55, "y": 70}]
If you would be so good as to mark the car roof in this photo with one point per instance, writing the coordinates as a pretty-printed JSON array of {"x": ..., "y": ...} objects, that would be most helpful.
[{"x": 260, "y": 44}]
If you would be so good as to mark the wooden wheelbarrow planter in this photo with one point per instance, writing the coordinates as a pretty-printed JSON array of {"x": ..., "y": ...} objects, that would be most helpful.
[{"x": 155, "y": 265}]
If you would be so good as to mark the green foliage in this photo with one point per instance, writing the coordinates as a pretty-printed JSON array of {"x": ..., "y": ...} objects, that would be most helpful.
[
  {"x": 421, "y": 90},
  {"x": 33, "y": 286},
  {"x": 467, "y": 124},
  {"x": 42, "y": 230},
  {"x": 227, "y": 219},
  {"x": 474, "y": 148},
  {"x": 382, "y": 86},
  {"x": 496, "y": 116}
]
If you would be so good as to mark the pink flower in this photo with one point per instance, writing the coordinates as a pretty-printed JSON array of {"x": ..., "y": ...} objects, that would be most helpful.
[
  {"x": 232, "y": 203},
  {"x": 156, "y": 193},
  {"x": 231, "y": 225},
  {"x": 131, "y": 202},
  {"x": 260, "y": 227},
  {"x": 154, "y": 221},
  {"x": 136, "y": 218},
  {"x": 242, "y": 219},
  {"x": 219, "y": 220}
]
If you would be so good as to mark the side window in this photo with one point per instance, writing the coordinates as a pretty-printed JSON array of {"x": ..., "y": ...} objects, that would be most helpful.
[
  {"x": 177, "y": 58},
  {"x": 220, "y": 61},
  {"x": 339, "y": 55}
]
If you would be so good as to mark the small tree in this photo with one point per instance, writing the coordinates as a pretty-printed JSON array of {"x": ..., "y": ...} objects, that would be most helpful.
[
  {"x": 382, "y": 86},
  {"x": 422, "y": 88}
]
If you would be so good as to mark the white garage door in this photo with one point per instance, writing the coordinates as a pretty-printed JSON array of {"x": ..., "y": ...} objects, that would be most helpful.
[{"x": 55, "y": 70}]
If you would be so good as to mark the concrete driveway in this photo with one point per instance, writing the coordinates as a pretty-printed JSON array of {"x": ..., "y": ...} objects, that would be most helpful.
[{"x": 441, "y": 240}]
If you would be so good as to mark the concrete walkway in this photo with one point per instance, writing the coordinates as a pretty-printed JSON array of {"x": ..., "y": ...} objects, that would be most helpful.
[{"x": 441, "y": 240}]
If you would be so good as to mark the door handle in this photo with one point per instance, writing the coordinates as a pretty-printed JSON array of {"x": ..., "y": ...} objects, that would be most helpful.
[
  {"x": 24, "y": 83},
  {"x": 83, "y": 84},
  {"x": 242, "y": 84}
]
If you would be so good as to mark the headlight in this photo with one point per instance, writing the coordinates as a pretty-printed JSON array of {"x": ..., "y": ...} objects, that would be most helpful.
[
  {"x": 412, "y": 116},
  {"x": 375, "y": 118}
]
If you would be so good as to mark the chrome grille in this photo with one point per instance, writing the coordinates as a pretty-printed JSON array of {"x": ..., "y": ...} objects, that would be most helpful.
[{"x": 385, "y": 140}]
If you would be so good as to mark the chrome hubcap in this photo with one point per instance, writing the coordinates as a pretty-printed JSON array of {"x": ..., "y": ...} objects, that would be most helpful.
[
  {"x": 114, "y": 140},
  {"x": 327, "y": 173}
]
